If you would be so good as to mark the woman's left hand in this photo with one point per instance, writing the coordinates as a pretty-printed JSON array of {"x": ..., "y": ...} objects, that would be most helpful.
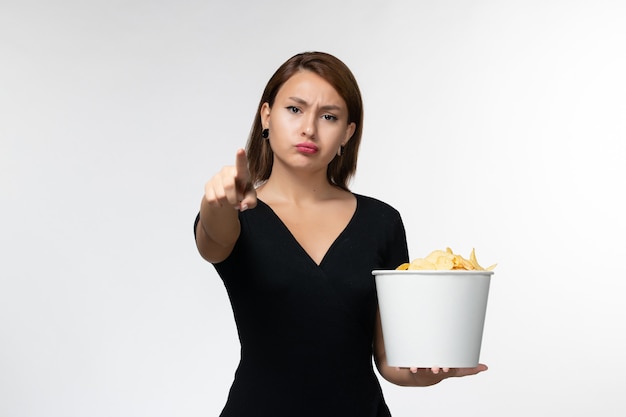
[
  {"x": 434, "y": 375},
  {"x": 458, "y": 372}
]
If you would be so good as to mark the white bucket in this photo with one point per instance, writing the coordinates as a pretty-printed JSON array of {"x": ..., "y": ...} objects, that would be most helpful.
[{"x": 432, "y": 318}]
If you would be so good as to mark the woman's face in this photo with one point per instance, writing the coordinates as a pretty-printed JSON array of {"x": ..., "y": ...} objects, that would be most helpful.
[{"x": 307, "y": 123}]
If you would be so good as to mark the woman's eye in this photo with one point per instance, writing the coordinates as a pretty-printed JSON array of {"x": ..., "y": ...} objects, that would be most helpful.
[
  {"x": 293, "y": 109},
  {"x": 329, "y": 117}
]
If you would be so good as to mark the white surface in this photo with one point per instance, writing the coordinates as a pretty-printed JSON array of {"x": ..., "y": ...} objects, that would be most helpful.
[
  {"x": 494, "y": 125},
  {"x": 433, "y": 318}
]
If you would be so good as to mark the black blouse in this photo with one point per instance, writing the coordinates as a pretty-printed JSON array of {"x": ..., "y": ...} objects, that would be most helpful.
[{"x": 306, "y": 330}]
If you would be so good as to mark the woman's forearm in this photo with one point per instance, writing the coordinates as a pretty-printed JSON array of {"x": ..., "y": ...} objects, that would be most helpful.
[{"x": 217, "y": 231}]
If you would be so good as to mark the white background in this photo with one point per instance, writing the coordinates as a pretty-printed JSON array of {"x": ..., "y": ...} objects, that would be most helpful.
[{"x": 497, "y": 125}]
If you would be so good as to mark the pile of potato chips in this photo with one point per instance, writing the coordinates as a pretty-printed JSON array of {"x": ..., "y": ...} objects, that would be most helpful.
[{"x": 446, "y": 261}]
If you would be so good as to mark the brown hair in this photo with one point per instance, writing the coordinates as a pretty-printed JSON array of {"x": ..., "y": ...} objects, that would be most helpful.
[{"x": 337, "y": 74}]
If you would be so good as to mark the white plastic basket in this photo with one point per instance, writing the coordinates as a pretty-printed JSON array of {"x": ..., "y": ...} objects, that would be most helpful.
[{"x": 432, "y": 318}]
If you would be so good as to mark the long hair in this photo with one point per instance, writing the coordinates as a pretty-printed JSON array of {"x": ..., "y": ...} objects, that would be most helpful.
[{"x": 337, "y": 74}]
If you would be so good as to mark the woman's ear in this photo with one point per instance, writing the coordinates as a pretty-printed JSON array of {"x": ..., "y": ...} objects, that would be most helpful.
[
  {"x": 265, "y": 115},
  {"x": 349, "y": 132}
]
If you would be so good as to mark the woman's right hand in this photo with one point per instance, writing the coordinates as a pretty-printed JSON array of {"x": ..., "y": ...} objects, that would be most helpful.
[
  {"x": 218, "y": 227},
  {"x": 232, "y": 186}
]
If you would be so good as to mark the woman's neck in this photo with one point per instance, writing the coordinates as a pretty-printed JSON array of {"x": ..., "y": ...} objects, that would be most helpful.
[{"x": 287, "y": 187}]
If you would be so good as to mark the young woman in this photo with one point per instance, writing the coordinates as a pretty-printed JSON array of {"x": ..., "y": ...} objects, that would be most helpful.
[{"x": 295, "y": 250}]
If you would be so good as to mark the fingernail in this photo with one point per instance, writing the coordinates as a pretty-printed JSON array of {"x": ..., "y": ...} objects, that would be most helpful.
[{"x": 243, "y": 207}]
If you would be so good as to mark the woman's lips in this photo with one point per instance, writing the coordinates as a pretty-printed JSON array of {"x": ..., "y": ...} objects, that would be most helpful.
[{"x": 306, "y": 147}]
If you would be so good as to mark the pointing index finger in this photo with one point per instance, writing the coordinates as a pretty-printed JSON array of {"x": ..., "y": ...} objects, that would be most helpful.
[
  {"x": 241, "y": 165},
  {"x": 245, "y": 190}
]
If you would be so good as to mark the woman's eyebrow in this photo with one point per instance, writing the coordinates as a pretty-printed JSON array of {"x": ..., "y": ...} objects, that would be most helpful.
[{"x": 326, "y": 107}]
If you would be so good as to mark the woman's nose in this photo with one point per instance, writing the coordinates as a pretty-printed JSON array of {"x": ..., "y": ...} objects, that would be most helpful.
[{"x": 308, "y": 128}]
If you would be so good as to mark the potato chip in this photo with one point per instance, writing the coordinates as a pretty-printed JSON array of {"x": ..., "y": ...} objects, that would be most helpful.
[
  {"x": 474, "y": 261},
  {"x": 435, "y": 255},
  {"x": 446, "y": 260},
  {"x": 462, "y": 263},
  {"x": 421, "y": 264}
]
